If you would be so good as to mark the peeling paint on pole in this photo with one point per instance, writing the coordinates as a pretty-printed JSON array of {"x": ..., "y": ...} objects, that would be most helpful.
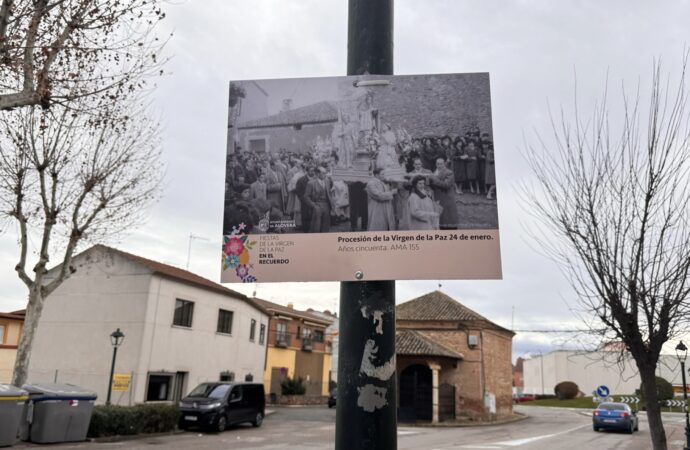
[
  {"x": 371, "y": 397},
  {"x": 368, "y": 368}
]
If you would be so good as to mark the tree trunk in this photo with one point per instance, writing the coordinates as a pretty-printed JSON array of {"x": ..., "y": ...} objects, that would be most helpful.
[
  {"x": 33, "y": 313},
  {"x": 656, "y": 427}
]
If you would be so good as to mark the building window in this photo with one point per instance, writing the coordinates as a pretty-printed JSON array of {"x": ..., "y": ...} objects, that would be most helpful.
[
  {"x": 249, "y": 377},
  {"x": 163, "y": 387},
  {"x": 318, "y": 335},
  {"x": 227, "y": 376},
  {"x": 281, "y": 331},
  {"x": 306, "y": 333},
  {"x": 225, "y": 321},
  {"x": 2, "y": 334},
  {"x": 262, "y": 334},
  {"x": 158, "y": 388},
  {"x": 184, "y": 310},
  {"x": 252, "y": 330}
]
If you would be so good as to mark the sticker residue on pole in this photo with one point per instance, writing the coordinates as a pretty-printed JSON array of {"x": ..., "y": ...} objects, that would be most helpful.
[
  {"x": 371, "y": 397},
  {"x": 368, "y": 368}
]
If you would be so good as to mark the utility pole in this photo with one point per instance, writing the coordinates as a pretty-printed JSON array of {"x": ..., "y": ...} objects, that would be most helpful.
[{"x": 367, "y": 394}]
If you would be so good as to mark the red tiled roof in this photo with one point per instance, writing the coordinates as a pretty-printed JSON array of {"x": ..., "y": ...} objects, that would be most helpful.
[
  {"x": 437, "y": 306},
  {"x": 180, "y": 275},
  {"x": 284, "y": 310},
  {"x": 415, "y": 343}
]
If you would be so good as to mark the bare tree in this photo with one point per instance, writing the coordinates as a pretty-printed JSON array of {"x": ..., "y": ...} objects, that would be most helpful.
[
  {"x": 63, "y": 180},
  {"x": 53, "y": 51},
  {"x": 612, "y": 195}
]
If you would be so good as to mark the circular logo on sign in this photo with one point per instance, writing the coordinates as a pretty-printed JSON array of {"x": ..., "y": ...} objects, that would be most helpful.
[{"x": 263, "y": 223}]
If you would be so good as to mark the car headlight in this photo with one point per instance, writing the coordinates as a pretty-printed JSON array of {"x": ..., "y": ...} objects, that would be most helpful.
[{"x": 210, "y": 406}]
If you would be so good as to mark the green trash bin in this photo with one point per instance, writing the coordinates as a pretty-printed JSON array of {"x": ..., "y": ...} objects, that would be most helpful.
[
  {"x": 12, "y": 400},
  {"x": 57, "y": 413}
]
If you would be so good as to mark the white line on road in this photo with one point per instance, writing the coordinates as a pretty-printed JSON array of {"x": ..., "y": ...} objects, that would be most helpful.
[
  {"x": 518, "y": 442},
  {"x": 514, "y": 442}
]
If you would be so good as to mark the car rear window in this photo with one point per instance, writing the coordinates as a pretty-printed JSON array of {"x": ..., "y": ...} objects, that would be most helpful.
[{"x": 613, "y": 406}]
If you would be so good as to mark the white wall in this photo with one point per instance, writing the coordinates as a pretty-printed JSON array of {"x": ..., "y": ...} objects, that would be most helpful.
[
  {"x": 109, "y": 291},
  {"x": 199, "y": 350},
  {"x": 72, "y": 341},
  {"x": 590, "y": 370}
]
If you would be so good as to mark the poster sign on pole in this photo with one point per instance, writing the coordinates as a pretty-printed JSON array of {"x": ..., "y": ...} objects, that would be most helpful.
[{"x": 360, "y": 178}]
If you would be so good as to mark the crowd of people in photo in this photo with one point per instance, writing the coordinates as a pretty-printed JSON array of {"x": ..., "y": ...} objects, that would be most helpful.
[{"x": 296, "y": 191}]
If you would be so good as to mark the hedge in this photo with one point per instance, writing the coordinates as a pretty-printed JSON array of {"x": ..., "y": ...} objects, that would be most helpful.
[
  {"x": 109, "y": 420},
  {"x": 566, "y": 390}
]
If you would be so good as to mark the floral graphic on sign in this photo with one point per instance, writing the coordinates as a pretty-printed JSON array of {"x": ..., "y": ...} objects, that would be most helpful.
[{"x": 236, "y": 248}]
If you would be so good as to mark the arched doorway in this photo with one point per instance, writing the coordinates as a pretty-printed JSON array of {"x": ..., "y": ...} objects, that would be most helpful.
[{"x": 415, "y": 394}]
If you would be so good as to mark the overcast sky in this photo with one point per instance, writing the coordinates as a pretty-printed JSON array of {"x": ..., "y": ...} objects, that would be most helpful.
[{"x": 534, "y": 51}]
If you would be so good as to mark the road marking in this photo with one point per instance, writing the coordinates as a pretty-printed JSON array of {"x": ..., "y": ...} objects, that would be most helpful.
[
  {"x": 518, "y": 442},
  {"x": 407, "y": 432},
  {"x": 514, "y": 442}
]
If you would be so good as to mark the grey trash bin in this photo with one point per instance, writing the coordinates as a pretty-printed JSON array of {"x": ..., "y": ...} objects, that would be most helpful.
[
  {"x": 57, "y": 413},
  {"x": 12, "y": 400}
]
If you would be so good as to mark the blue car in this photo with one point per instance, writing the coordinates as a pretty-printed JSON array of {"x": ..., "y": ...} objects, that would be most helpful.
[{"x": 615, "y": 416}]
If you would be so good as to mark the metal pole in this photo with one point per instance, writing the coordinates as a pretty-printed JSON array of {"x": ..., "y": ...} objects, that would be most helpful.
[
  {"x": 366, "y": 416},
  {"x": 367, "y": 394},
  {"x": 112, "y": 372},
  {"x": 687, "y": 418}
]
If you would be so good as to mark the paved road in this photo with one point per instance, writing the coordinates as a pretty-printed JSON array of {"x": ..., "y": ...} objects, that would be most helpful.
[{"x": 313, "y": 428}]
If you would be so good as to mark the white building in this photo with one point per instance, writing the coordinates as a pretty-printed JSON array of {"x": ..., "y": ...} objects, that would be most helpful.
[
  {"x": 589, "y": 370},
  {"x": 180, "y": 329}
]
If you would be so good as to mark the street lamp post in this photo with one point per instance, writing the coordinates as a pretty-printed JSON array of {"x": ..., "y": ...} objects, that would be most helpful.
[
  {"x": 682, "y": 354},
  {"x": 116, "y": 338}
]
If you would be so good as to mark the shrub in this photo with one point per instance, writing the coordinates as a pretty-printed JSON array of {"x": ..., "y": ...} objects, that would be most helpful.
[
  {"x": 293, "y": 386},
  {"x": 566, "y": 390},
  {"x": 664, "y": 389},
  {"x": 110, "y": 420}
]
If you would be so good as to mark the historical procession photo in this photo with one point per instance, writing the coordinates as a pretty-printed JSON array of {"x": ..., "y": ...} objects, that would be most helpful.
[{"x": 369, "y": 153}]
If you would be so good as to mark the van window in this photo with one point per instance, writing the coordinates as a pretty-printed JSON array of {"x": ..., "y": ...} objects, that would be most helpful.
[{"x": 236, "y": 394}]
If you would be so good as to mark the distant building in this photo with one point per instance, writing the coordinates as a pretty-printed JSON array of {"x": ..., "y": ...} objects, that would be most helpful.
[
  {"x": 297, "y": 347},
  {"x": 518, "y": 376},
  {"x": 180, "y": 329},
  {"x": 592, "y": 369},
  {"x": 452, "y": 363},
  {"x": 332, "y": 336},
  {"x": 295, "y": 130},
  {"x": 244, "y": 110},
  {"x": 10, "y": 330}
]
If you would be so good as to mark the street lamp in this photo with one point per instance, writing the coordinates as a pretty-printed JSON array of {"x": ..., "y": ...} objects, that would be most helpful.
[
  {"x": 682, "y": 354},
  {"x": 116, "y": 338}
]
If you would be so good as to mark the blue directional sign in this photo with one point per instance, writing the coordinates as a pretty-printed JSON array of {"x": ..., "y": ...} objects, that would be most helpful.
[{"x": 603, "y": 391}]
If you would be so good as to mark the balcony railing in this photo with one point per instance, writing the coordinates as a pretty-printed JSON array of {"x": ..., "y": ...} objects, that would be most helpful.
[
  {"x": 283, "y": 340},
  {"x": 307, "y": 344}
]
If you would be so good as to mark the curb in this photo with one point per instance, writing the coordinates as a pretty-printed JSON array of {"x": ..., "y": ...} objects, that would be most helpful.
[
  {"x": 125, "y": 438},
  {"x": 517, "y": 417}
]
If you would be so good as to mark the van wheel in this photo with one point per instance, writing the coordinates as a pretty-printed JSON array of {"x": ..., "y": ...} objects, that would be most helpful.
[
  {"x": 258, "y": 420},
  {"x": 222, "y": 423}
]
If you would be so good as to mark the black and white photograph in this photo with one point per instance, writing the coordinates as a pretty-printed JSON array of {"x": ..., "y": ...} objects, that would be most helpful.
[{"x": 366, "y": 153}]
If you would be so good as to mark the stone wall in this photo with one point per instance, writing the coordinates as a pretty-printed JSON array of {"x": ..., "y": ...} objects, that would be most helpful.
[
  {"x": 294, "y": 400},
  {"x": 430, "y": 105}
]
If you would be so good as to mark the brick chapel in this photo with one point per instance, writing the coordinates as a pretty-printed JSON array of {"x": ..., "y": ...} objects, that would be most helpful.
[{"x": 452, "y": 363}]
